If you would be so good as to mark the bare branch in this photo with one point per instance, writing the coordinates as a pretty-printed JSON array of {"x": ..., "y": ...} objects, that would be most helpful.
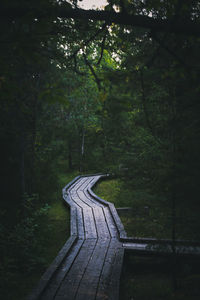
[
  {"x": 188, "y": 27},
  {"x": 102, "y": 48},
  {"x": 88, "y": 41}
]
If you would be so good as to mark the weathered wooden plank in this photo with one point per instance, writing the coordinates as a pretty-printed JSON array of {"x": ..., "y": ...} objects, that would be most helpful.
[
  {"x": 102, "y": 227},
  {"x": 79, "y": 202},
  {"x": 70, "y": 284},
  {"x": 84, "y": 199},
  {"x": 111, "y": 225},
  {"x": 160, "y": 241},
  {"x": 103, "y": 291},
  {"x": 80, "y": 223},
  {"x": 161, "y": 249},
  {"x": 88, "y": 217},
  {"x": 49, "y": 273},
  {"x": 70, "y": 184},
  {"x": 113, "y": 291},
  {"x": 60, "y": 273},
  {"x": 89, "y": 224},
  {"x": 84, "y": 180},
  {"x": 73, "y": 221},
  {"x": 89, "y": 283},
  {"x": 87, "y": 183},
  {"x": 77, "y": 194},
  {"x": 118, "y": 223},
  {"x": 77, "y": 185}
]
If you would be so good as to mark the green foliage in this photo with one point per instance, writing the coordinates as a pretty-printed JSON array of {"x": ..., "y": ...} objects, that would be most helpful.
[
  {"x": 109, "y": 190},
  {"x": 31, "y": 245},
  {"x": 21, "y": 250},
  {"x": 98, "y": 99},
  {"x": 58, "y": 229},
  {"x": 151, "y": 214}
]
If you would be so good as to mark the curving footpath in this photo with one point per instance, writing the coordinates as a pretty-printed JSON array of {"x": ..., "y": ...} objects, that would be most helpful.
[{"x": 88, "y": 267}]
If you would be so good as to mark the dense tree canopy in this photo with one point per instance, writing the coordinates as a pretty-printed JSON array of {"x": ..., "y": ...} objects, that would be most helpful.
[
  {"x": 163, "y": 16},
  {"x": 111, "y": 90}
]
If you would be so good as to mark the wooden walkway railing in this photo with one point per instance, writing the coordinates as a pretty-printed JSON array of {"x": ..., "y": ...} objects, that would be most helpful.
[{"x": 88, "y": 267}]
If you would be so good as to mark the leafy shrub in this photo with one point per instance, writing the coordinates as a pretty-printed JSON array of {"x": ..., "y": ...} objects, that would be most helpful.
[{"x": 20, "y": 251}]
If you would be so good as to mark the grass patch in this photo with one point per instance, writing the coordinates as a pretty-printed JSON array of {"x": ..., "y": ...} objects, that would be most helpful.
[
  {"x": 57, "y": 222},
  {"x": 55, "y": 230},
  {"x": 144, "y": 220},
  {"x": 111, "y": 190},
  {"x": 58, "y": 229},
  {"x": 151, "y": 214}
]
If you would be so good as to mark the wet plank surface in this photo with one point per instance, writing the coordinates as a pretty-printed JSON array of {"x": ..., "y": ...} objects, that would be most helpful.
[{"x": 90, "y": 269}]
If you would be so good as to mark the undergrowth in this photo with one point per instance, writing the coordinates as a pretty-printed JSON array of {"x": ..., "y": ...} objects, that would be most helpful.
[
  {"x": 150, "y": 278},
  {"x": 150, "y": 214},
  {"x": 33, "y": 242}
]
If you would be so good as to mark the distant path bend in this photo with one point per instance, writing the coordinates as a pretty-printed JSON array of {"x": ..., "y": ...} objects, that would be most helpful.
[{"x": 88, "y": 267}]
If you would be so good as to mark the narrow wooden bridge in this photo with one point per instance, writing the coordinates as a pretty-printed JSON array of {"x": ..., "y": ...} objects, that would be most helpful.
[{"x": 88, "y": 267}]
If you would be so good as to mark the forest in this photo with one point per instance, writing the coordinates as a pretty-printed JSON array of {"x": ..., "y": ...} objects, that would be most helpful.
[{"x": 108, "y": 90}]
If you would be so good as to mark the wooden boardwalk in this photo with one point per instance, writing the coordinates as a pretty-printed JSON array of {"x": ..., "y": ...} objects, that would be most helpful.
[{"x": 88, "y": 267}]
